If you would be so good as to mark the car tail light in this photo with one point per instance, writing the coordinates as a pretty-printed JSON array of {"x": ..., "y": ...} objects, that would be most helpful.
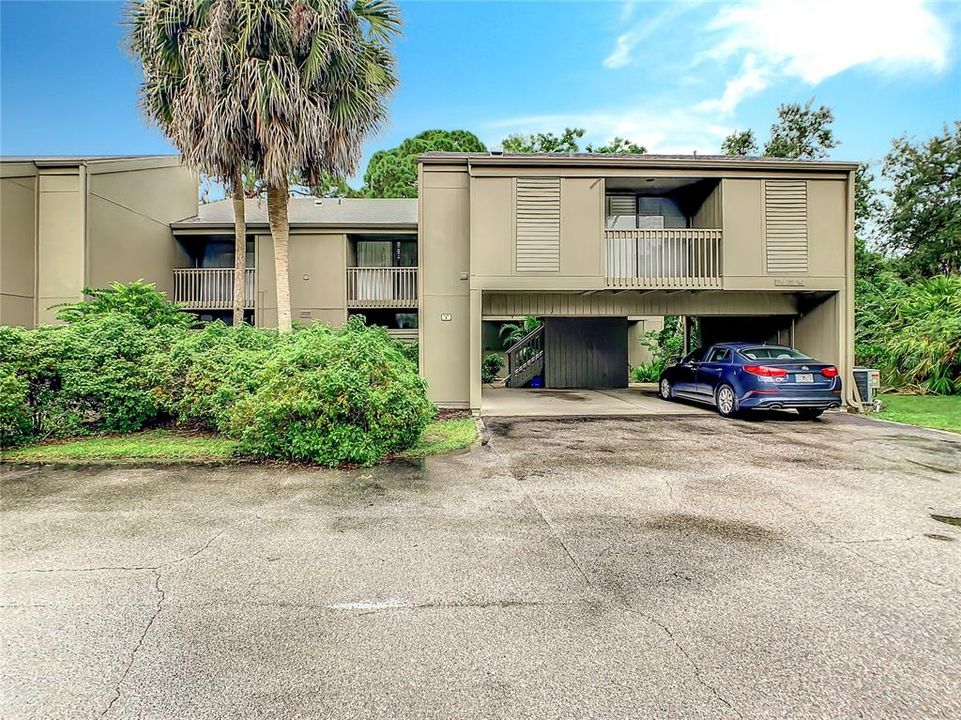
[
  {"x": 765, "y": 371},
  {"x": 830, "y": 372}
]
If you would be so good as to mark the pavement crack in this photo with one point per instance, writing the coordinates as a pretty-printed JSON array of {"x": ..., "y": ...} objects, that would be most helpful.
[
  {"x": 540, "y": 513},
  {"x": 117, "y": 690},
  {"x": 120, "y": 568},
  {"x": 698, "y": 673},
  {"x": 847, "y": 544}
]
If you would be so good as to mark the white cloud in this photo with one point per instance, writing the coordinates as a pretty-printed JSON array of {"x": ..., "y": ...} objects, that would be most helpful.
[
  {"x": 680, "y": 130},
  {"x": 749, "y": 81},
  {"x": 622, "y": 54},
  {"x": 817, "y": 39}
]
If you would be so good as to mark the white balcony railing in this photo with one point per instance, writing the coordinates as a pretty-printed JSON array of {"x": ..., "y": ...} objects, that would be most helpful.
[
  {"x": 381, "y": 287},
  {"x": 663, "y": 258},
  {"x": 211, "y": 288}
]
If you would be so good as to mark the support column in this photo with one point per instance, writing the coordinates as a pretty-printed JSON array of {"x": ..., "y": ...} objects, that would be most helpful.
[{"x": 476, "y": 350}]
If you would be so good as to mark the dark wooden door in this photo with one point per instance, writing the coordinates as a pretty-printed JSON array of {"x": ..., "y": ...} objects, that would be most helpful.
[{"x": 585, "y": 352}]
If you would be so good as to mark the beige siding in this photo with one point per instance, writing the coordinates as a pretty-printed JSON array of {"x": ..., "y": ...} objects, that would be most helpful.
[
  {"x": 634, "y": 303},
  {"x": 582, "y": 230},
  {"x": 538, "y": 229},
  {"x": 741, "y": 209},
  {"x": 785, "y": 226},
  {"x": 317, "y": 275},
  {"x": 444, "y": 267},
  {"x": 709, "y": 214},
  {"x": 827, "y": 207},
  {"x": 18, "y": 241},
  {"x": 492, "y": 227},
  {"x": 61, "y": 246},
  {"x": 128, "y": 230},
  {"x": 817, "y": 331}
]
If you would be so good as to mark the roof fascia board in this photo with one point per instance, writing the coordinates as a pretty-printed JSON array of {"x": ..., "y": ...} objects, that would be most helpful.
[{"x": 640, "y": 163}]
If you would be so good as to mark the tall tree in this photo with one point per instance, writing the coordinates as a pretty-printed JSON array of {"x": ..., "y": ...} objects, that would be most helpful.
[
  {"x": 393, "y": 173},
  {"x": 309, "y": 81},
  {"x": 740, "y": 142},
  {"x": 185, "y": 92},
  {"x": 617, "y": 146},
  {"x": 801, "y": 133},
  {"x": 566, "y": 142},
  {"x": 923, "y": 221}
]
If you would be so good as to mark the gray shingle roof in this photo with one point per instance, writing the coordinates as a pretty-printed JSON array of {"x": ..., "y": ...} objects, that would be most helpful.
[{"x": 308, "y": 212}]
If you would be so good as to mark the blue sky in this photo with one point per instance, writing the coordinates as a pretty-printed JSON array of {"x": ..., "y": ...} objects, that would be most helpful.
[{"x": 674, "y": 76}]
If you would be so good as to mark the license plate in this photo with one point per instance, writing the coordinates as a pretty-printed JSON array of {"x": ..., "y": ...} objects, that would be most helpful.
[{"x": 804, "y": 378}]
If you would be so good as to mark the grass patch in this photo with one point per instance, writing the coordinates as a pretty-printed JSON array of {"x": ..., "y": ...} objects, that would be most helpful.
[
  {"x": 169, "y": 446},
  {"x": 160, "y": 445},
  {"x": 942, "y": 412},
  {"x": 443, "y": 436}
]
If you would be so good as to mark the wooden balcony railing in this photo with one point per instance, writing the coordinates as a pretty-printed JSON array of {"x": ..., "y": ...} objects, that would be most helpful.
[
  {"x": 381, "y": 287},
  {"x": 211, "y": 288},
  {"x": 664, "y": 258}
]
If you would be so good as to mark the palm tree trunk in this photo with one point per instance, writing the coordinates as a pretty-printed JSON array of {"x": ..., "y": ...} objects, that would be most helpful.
[
  {"x": 240, "y": 249},
  {"x": 280, "y": 231}
]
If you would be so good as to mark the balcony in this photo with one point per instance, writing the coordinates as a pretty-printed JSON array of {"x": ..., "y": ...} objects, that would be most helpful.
[
  {"x": 663, "y": 259},
  {"x": 211, "y": 288},
  {"x": 382, "y": 287}
]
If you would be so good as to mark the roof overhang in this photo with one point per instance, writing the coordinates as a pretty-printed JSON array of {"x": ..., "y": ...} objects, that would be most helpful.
[{"x": 640, "y": 162}]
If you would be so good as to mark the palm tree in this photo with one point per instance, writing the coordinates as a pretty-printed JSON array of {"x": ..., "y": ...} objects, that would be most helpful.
[
  {"x": 312, "y": 78},
  {"x": 186, "y": 91}
]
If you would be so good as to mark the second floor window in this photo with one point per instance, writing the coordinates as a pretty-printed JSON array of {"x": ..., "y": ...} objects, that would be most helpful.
[{"x": 629, "y": 211}]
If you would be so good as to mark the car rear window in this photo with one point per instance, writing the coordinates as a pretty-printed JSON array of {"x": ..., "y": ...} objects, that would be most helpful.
[{"x": 772, "y": 353}]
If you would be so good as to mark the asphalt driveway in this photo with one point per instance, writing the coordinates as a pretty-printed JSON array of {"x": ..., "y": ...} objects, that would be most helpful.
[{"x": 612, "y": 568}]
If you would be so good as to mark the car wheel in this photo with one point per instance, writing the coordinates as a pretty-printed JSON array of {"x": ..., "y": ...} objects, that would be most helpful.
[
  {"x": 726, "y": 401},
  {"x": 664, "y": 389},
  {"x": 809, "y": 413}
]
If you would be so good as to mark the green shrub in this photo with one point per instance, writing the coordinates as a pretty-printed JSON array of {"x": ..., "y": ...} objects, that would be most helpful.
[
  {"x": 86, "y": 377},
  {"x": 410, "y": 350},
  {"x": 647, "y": 372},
  {"x": 15, "y": 421},
  {"x": 141, "y": 301},
  {"x": 204, "y": 372},
  {"x": 333, "y": 397},
  {"x": 491, "y": 364},
  {"x": 911, "y": 331}
]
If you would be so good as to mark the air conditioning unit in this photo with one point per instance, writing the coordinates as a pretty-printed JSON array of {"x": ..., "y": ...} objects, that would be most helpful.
[{"x": 868, "y": 381}]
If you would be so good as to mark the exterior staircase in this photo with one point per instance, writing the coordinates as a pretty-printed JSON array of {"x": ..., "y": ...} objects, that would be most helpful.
[{"x": 525, "y": 359}]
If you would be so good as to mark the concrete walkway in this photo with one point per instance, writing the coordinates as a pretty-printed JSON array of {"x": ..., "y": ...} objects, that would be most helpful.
[{"x": 618, "y": 402}]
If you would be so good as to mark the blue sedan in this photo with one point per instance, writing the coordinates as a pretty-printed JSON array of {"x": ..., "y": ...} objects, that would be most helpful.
[{"x": 740, "y": 376}]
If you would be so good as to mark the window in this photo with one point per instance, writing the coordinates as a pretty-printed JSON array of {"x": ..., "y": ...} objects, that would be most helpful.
[
  {"x": 720, "y": 355},
  {"x": 772, "y": 352},
  {"x": 696, "y": 356},
  {"x": 630, "y": 211}
]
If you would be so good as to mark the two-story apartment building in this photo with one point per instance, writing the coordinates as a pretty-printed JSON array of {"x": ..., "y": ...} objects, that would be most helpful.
[
  {"x": 751, "y": 248},
  {"x": 755, "y": 248}
]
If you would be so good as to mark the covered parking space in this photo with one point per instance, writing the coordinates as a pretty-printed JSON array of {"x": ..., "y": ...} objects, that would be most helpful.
[
  {"x": 811, "y": 321},
  {"x": 635, "y": 400}
]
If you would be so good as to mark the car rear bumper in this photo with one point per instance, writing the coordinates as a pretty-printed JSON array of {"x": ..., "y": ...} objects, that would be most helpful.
[{"x": 822, "y": 401}]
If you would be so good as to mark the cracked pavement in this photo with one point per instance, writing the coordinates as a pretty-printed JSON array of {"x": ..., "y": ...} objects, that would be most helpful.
[{"x": 609, "y": 568}]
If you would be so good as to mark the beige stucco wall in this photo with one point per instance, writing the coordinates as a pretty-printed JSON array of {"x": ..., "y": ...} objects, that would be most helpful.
[
  {"x": 492, "y": 233},
  {"x": 318, "y": 280},
  {"x": 637, "y": 353},
  {"x": 818, "y": 331},
  {"x": 444, "y": 263},
  {"x": 18, "y": 244},
  {"x": 129, "y": 216},
  {"x": 67, "y": 226},
  {"x": 743, "y": 263},
  {"x": 61, "y": 241}
]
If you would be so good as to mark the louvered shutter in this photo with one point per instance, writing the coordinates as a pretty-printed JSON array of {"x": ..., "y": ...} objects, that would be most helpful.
[
  {"x": 786, "y": 225},
  {"x": 538, "y": 218}
]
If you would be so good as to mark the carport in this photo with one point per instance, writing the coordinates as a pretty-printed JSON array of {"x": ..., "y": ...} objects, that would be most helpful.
[
  {"x": 584, "y": 343},
  {"x": 635, "y": 400}
]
